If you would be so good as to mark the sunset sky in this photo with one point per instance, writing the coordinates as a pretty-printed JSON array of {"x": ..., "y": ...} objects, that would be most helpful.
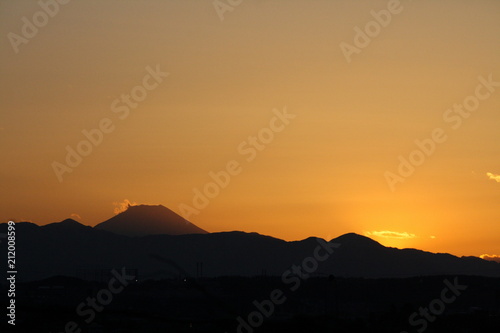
[{"x": 309, "y": 112}]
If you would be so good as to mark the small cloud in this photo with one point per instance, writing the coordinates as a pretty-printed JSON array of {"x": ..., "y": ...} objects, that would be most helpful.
[
  {"x": 391, "y": 234},
  {"x": 490, "y": 257},
  {"x": 122, "y": 206},
  {"x": 76, "y": 216},
  {"x": 493, "y": 176}
]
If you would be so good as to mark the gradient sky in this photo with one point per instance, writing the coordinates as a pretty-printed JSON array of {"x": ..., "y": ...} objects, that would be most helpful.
[{"x": 323, "y": 175}]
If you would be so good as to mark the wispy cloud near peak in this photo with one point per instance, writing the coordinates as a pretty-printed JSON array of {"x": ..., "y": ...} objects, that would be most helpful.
[
  {"x": 490, "y": 257},
  {"x": 122, "y": 206},
  {"x": 493, "y": 176},
  {"x": 390, "y": 234}
]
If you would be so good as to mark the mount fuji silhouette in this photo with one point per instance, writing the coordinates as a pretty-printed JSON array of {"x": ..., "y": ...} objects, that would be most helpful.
[{"x": 142, "y": 220}]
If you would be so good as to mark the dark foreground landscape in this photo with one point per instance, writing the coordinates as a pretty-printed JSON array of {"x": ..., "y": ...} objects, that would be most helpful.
[
  {"x": 317, "y": 304},
  {"x": 149, "y": 270}
]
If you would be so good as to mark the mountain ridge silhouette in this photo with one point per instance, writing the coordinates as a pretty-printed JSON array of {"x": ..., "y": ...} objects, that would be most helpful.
[{"x": 69, "y": 247}]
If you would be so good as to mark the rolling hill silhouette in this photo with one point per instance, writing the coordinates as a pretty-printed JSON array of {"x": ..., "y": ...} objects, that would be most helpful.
[
  {"x": 144, "y": 220},
  {"x": 68, "y": 248}
]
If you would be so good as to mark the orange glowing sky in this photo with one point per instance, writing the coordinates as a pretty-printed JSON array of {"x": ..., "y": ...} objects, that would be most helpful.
[{"x": 322, "y": 174}]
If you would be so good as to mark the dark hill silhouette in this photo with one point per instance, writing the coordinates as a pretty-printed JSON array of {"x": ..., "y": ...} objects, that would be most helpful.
[
  {"x": 144, "y": 220},
  {"x": 358, "y": 240},
  {"x": 68, "y": 247},
  {"x": 68, "y": 224}
]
